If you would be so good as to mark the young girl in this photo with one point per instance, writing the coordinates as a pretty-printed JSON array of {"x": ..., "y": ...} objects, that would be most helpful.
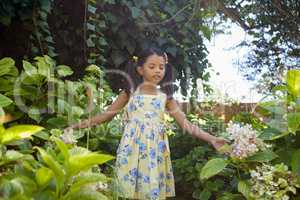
[{"x": 143, "y": 164}]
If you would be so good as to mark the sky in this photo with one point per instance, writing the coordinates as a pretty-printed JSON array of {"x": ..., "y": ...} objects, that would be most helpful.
[{"x": 230, "y": 83}]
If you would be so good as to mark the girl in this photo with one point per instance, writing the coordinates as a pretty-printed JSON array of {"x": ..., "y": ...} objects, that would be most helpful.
[{"x": 143, "y": 164}]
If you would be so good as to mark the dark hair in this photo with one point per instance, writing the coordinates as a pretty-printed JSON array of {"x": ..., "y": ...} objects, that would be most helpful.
[{"x": 131, "y": 83}]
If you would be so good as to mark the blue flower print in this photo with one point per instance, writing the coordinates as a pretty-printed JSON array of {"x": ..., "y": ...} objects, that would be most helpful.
[
  {"x": 126, "y": 177},
  {"x": 132, "y": 132},
  {"x": 146, "y": 179},
  {"x": 169, "y": 176},
  {"x": 124, "y": 161},
  {"x": 127, "y": 150},
  {"x": 137, "y": 140},
  {"x": 151, "y": 135},
  {"x": 151, "y": 165},
  {"x": 133, "y": 172},
  {"x": 161, "y": 175},
  {"x": 161, "y": 184},
  {"x": 150, "y": 114},
  {"x": 168, "y": 189},
  {"x": 154, "y": 193},
  {"x": 143, "y": 128},
  {"x": 152, "y": 153},
  {"x": 159, "y": 159},
  {"x": 139, "y": 100},
  {"x": 139, "y": 97},
  {"x": 162, "y": 146},
  {"x": 142, "y": 147},
  {"x": 156, "y": 103},
  {"x": 132, "y": 107}
]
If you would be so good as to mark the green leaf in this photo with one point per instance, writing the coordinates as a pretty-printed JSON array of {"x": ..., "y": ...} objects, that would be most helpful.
[
  {"x": 213, "y": 167},
  {"x": 43, "y": 176},
  {"x": 12, "y": 155},
  {"x": 29, "y": 68},
  {"x": 86, "y": 161},
  {"x": 43, "y": 66},
  {"x": 270, "y": 134},
  {"x": 54, "y": 166},
  {"x": 244, "y": 188},
  {"x": 172, "y": 50},
  {"x": 87, "y": 178},
  {"x": 90, "y": 43},
  {"x": 64, "y": 70},
  {"x": 205, "y": 194},
  {"x": 293, "y": 122},
  {"x": 59, "y": 122},
  {"x": 34, "y": 113},
  {"x": 91, "y": 27},
  {"x": 6, "y": 65},
  {"x": 92, "y": 9},
  {"x": 19, "y": 132},
  {"x": 295, "y": 162},
  {"x": 264, "y": 156},
  {"x": 63, "y": 106},
  {"x": 42, "y": 134},
  {"x": 62, "y": 147},
  {"x": 87, "y": 195},
  {"x": 118, "y": 58},
  {"x": 293, "y": 82},
  {"x": 206, "y": 31},
  {"x": 77, "y": 111},
  {"x": 136, "y": 12},
  {"x": 6, "y": 85},
  {"x": 5, "y": 101}
]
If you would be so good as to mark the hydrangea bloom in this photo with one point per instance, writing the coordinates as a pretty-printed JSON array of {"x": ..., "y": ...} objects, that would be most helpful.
[
  {"x": 272, "y": 182},
  {"x": 245, "y": 141}
]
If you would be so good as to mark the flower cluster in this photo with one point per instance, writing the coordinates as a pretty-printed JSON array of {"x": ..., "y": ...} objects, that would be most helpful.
[
  {"x": 68, "y": 137},
  {"x": 272, "y": 182},
  {"x": 245, "y": 141}
]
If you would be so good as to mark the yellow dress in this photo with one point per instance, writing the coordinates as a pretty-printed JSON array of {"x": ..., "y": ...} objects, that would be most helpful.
[{"x": 143, "y": 164}]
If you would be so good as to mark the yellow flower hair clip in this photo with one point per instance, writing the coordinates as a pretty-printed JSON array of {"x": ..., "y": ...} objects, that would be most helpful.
[{"x": 135, "y": 58}]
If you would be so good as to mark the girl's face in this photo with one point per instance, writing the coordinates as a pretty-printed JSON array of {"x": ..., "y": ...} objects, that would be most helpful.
[{"x": 153, "y": 70}]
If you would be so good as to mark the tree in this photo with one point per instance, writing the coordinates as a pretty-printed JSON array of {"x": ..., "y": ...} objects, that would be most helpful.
[
  {"x": 108, "y": 33},
  {"x": 275, "y": 47}
]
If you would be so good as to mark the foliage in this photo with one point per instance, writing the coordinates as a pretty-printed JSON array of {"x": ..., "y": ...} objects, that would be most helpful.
[
  {"x": 110, "y": 41},
  {"x": 34, "y": 16},
  {"x": 185, "y": 141},
  {"x": 268, "y": 182},
  {"x": 40, "y": 84},
  {"x": 190, "y": 155},
  {"x": 274, "y": 47},
  {"x": 282, "y": 129},
  {"x": 61, "y": 175}
]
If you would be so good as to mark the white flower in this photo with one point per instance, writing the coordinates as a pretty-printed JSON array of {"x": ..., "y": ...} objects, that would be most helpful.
[
  {"x": 272, "y": 182},
  {"x": 245, "y": 141},
  {"x": 68, "y": 137}
]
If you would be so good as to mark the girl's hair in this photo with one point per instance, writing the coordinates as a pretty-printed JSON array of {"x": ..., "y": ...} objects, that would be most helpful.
[{"x": 131, "y": 82}]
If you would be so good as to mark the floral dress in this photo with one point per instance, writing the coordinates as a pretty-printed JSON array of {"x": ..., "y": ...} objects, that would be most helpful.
[{"x": 143, "y": 164}]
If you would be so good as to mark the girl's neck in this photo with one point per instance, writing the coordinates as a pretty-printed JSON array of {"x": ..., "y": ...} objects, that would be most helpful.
[{"x": 148, "y": 88}]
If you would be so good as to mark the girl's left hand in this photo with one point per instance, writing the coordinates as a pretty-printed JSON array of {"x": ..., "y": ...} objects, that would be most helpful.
[{"x": 217, "y": 143}]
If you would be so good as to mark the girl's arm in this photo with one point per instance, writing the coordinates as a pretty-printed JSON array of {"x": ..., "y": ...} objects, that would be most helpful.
[
  {"x": 174, "y": 110},
  {"x": 107, "y": 115}
]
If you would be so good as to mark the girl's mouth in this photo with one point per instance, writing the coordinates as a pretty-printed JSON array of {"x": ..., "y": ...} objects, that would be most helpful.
[{"x": 156, "y": 77}]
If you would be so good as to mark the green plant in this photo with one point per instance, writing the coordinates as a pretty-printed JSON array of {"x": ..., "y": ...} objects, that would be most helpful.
[
  {"x": 281, "y": 127},
  {"x": 63, "y": 175}
]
